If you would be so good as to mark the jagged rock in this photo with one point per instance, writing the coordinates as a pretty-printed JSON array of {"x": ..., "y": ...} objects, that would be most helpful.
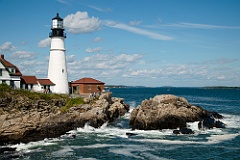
[
  {"x": 210, "y": 121},
  {"x": 131, "y": 134},
  {"x": 183, "y": 130},
  {"x": 107, "y": 96},
  {"x": 165, "y": 112}
]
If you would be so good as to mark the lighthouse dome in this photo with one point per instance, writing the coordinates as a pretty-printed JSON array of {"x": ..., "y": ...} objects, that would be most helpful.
[{"x": 57, "y": 22}]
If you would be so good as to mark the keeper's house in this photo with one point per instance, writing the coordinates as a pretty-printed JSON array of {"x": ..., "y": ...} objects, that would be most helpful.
[
  {"x": 37, "y": 85},
  {"x": 86, "y": 86},
  {"x": 9, "y": 73}
]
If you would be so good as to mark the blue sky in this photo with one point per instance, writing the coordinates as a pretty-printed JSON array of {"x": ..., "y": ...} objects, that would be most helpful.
[{"x": 129, "y": 42}]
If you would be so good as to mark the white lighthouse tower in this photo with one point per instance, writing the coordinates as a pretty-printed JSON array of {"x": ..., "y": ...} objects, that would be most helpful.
[{"x": 57, "y": 69}]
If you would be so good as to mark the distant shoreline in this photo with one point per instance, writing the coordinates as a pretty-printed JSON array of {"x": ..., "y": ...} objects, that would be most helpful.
[
  {"x": 206, "y": 87},
  {"x": 220, "y": 87}
]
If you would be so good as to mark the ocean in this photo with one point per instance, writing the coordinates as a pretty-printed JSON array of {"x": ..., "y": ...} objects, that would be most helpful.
[{"x": 110, "y": 142}]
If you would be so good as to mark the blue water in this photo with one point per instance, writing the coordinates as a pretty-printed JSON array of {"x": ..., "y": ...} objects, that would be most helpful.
[{"x": 110, "y": 141}]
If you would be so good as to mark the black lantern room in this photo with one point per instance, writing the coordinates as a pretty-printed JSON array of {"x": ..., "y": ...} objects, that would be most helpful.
[{"x": 57, "y": 27}]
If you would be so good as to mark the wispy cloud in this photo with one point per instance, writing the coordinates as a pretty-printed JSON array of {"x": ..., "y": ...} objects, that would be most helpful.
[
  {"x": 100, "y": 9},
  {"x": 66, "y": 2},
  {"x": 45, "y": 43},
  {"x": 199, "y": 26},
  {"x": 136, "y": 30},
  {"x": 92, "y": 50},
  {"x": 97, "y": 39},
  {"x": 6, "y": 47},
  {"x": 23, "y": 55},
  {"x": 135, "y": 23}
]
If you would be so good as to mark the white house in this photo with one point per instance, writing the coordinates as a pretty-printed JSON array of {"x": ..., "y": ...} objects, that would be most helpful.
[
  {"x": 9, "y": 73},
  {"x": 31, "y": 83}
]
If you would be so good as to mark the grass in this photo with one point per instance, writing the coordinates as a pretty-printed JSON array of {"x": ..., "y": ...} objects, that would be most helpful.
[
  {"x": 6, "y": 90},
  {"x": 71, "y": 102}
]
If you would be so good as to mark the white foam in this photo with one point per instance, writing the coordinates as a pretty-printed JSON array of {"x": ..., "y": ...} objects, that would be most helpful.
[
  {"x": 231, "y": 121},
  {"x": 94, "y": 146},
  {"x": 87, "y": 158},
  {"x": 105, "y": 131},
  {"x": 27, "y": 147},
  {"x": 65, "y": 151},
  {"x": 128, "y": 150},
  {"x": 219, "y": 138},
  {"x": 213, "y": 139},
  {"x": 151, "y": 156}
]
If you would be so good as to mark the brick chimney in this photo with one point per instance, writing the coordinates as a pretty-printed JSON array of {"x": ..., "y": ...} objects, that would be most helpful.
[{"x": 2, "y": 56}]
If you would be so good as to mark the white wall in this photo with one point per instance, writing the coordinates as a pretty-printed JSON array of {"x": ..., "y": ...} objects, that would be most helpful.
[{"x": 57, "y": 69}]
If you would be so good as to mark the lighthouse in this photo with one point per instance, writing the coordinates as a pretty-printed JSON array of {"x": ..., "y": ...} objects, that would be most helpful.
[{"x": 57, "y": 69}]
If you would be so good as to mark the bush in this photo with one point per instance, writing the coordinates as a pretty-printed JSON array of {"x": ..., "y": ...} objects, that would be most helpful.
[{"x": 72, "y": 102}]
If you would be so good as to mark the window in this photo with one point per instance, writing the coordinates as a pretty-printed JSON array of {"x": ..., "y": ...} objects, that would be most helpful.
[
  {"x": 62, "y": 70},
  {"x": 89, "y": 87},
  {"x": 0, "y": 72},
  {"x": 11, "y": 83}
]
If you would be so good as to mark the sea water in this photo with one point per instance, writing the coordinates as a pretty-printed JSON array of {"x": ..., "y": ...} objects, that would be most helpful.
[{"x": 111, "y": 142}]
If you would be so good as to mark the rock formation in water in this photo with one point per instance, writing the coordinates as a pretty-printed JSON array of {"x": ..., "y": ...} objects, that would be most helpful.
[
  {"x": 166, "y": 112},
  {"x": 23, "y": 119}
]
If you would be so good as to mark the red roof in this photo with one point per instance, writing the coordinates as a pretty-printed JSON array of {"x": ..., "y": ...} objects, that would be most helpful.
[
  {"x": 29, "y": 79},
  {"x": 87, "y": 81},
  {"x": 45, "y": 82},
  {"x": 8, "y": 64}
]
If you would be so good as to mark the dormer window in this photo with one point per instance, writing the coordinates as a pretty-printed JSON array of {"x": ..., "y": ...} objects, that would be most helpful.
[{"x": 12, "y": 70}]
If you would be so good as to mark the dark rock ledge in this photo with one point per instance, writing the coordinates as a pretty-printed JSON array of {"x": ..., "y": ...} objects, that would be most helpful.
[{"x": 44, "y": 119}]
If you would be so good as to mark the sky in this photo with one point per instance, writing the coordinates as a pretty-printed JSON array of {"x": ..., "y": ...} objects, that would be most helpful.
[{"x": 153, "y": 43}]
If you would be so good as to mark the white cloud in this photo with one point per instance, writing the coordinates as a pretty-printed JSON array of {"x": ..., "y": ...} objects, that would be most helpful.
[
  {"x": 97, "y": 39},
  {"x": 139, "y": 31},
  {"x": 199, "y": 26},
  {"x": 80, "y": 22},
  {"x": 128, "y": 69},
  {"x": 106, "y": 65},
  {"x": 100, "y": 9},
  {"x": 92, "y": 50},
  {"x": 45, "y": 42},
  {"x": 23, "y": 55},
  {"x": 6, "y": 47},
  {"x": 64, "y": 2},
  {"x": 109, "y": 61},
  {"x": 135, "y": 23}
]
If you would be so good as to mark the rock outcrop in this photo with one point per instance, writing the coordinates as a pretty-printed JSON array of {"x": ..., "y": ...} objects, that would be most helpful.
[
  {"x": 210, "y": 121},
  {"x": 165, "y": 112},
  {"x": 24, "y": 120}
]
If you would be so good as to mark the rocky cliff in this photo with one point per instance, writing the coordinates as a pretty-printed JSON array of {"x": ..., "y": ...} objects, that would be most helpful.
[{"x": 24, "y": 117}]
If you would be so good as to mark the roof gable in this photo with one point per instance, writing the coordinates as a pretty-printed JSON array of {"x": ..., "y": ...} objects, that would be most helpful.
[
  {"x": 45, "y": 82},
  {"x": 29, "y": 79},
  {"x": 7, "y": 64},
  {"x": 87, "y": 81}
]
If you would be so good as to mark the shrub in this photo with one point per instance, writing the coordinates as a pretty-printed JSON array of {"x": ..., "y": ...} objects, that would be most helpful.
[{"x": 72, "y": 102}]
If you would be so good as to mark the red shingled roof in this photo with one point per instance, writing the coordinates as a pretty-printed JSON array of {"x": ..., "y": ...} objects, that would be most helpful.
[
  {"x": 8, "y": 64},
  {"x": 87, "y": 80},
  {"x": 45, "y": 82},
  {"x": 29, "y": 79}
]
